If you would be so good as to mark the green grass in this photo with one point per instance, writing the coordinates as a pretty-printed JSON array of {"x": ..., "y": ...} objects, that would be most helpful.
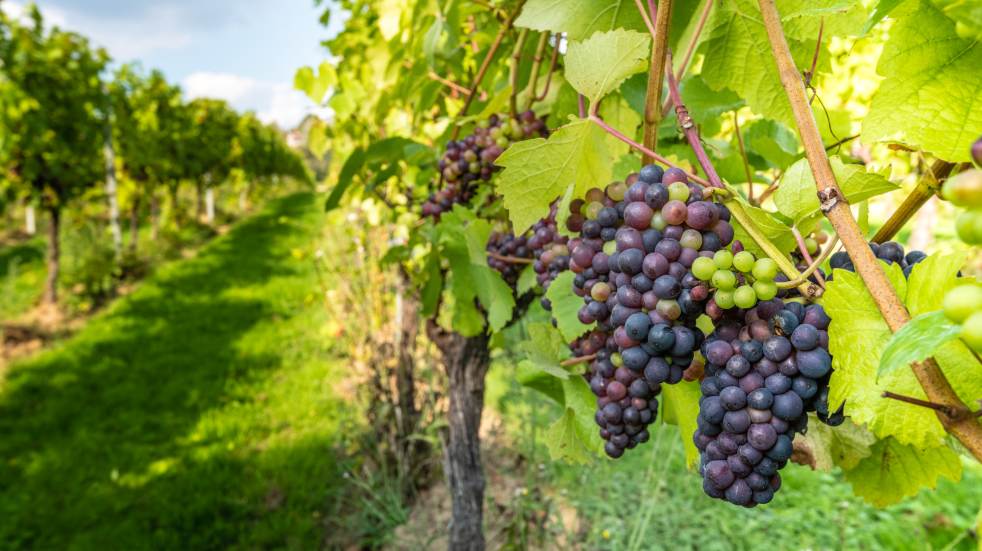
[
  {"x": 196, "y": 413},
  {"x": 649, "y": 500}
]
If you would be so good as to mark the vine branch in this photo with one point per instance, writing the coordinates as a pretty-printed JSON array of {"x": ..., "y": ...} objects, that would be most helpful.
[
  {"x": 927, "y": 187},
  {"x": 516, "y": 58},
  {"x": 743, "y": 156},
  {"x": 510, "y": 259},
  {"x": 578, "y": 360},
  {"x": 690, "y": 50},
  {"x": 540, "y": 49},
  {"x": 656, "y": 71},
  {"x": 932, "y": 380}
]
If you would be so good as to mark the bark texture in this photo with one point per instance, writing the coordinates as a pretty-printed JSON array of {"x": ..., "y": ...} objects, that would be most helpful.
[{"x": 54, "y": 257}]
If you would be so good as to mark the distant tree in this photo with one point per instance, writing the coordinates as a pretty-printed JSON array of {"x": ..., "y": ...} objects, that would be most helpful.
[
  {"x": 210, "y": 149},
  {"x": 50, "y": 96}
]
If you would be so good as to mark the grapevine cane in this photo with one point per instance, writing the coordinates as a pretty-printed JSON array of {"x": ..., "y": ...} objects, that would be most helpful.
[
  {"x": 927, "y": 187},
  {"x": 540, "y": 49},
  {"x": 690, "y": 50},
  {"x": 964, "y": 427},
  {"x": 516, "y": 58},
  {"x": 656, "y": 71}
]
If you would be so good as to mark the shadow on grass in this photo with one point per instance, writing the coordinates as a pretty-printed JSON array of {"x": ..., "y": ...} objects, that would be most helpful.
[
  {"x": 20, "y": 254},
  {"x": 101, "y": 439}
]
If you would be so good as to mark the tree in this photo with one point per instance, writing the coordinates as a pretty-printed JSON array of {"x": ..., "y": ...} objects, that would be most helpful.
[
  {"x": 51, "y": 94},
  {"x": 210, "y": 148},
  {"x": 145, "y": 110},
  {"x": 262, "y": 155}
]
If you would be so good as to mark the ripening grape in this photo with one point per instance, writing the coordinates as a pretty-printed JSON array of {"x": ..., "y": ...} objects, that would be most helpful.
[
  {"x": 963, "y": 301},
  {"x": 964, "y": 189},
  {"x": 502, "y": 245},
  {"x": 972, "y": 331}
]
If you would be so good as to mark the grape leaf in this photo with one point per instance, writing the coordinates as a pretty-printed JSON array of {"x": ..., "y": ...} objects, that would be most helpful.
[
  {"x": 880, "y": 10},
  {"x": 316, "y": 86},
  {"x": 617, "y": 113},
  {"x": 858, "y": 336},
  {"x": 565, "y": 305},
  {"x": 545, "y": 349},
  {"x": 773, "y": 141},
  {"x": 354, "y": 163},
  {"x": 797, "y": 198},
  {"x": 680, "y": 407},
  {"x": 917, "y": 340},
  {"x": 775, "y": 230},
  {"x": 931, "y": 95},
  {"x": 842, "y": 446},
  {"x": 601, "y": 63},
  {"x": 538, "y": 171},
  {"x": 540, "y": 381},
  {"x": 573, "y": 437},
  {"x": 801, "y": 18},
  {"x": 526, "y": 281},
  {"x": 894, "y": 471},
  {"x": 579, "y": 19},
  {"x": 967, "y": 17}
]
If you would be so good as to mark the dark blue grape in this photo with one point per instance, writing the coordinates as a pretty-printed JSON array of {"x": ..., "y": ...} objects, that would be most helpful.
[
  {"x": 738, "y": 366},
  {"x": 637, "y": 326},
  {"x": 760, "y": 399},
  {"x": 737, "y": 421},
  {"x": 778, "y": 383},
  {"x": 782, "y": 449},
  {"x": 814, "y": 363},
  {"x": 777, "y": 348},
  {"x": 657, "y": 371},
  {"x": 651, "y": 174},
  {"x": 635, "y": 358},
  {"x": 733, "y": 398},
  {"x": 805, "y": 387},
  {"x": 788, "y": 406}
]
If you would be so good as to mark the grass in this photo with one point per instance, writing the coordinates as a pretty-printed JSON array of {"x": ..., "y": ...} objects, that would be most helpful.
[
  {"x": 196, "y": 413},
  {"x": 649, "y": 500}
]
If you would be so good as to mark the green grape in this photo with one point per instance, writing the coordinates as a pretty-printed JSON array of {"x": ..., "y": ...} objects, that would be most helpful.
[
  {"x": 610, "y": 247},
  {"x": 724, "y": 279},
  {"x": 678, "y": 191},
  {"x": 616, "y": 191},
  {"x": 691, "y": 239},
  {"x": 969, "y": 226},
  {"x": 811, "y": 245},
  {"x": 615, "y": 359},
  {"x": 658, "y": 222},
  {"x": 495, "y": 132},
  {"x": 704, "y": 268},
  {"x": 765, "y": 269},
  {"x": 766, "y": 290},
  {"x": 965, "y": 189},
  {"x": 724, "y": 299},
  {"x": 593, "y": 209},
  {"x": 745, "y": 297},
  {"x": 502, "y": 142},
  {"x": 723, "y": 259},
  {"x": 669, "y": 309},
  {"x": 962, "y": 301},
  {"x": 972, "y": 331},
  {"x": 744, "y": 261}
]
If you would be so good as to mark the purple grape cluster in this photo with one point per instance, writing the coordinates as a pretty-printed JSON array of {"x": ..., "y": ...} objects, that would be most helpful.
[
  {"x": 890, "y": 252},
  {"x": 627, "y": 401},
  {"x": 639, "y": 239},
  {"x": 550, "y": 249},
  {"x": 766, "y": 368},
  {"x": 469, "y": 161},
  {"x": 502, "y": 246}
]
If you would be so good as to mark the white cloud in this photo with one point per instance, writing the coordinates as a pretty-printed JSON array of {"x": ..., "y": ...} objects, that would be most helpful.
[{"x": 273, "y": 102}]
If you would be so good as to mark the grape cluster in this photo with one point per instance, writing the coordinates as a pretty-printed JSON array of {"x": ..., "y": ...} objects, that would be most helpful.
[
  {"x": 639, "y": 240},
  {"x": 470, "y": 161},
  {"x": 963, "y": 304},
  {"x": 502, "y": 246},
  {"x": 550, "y": 249},
  {"x": 890, "y": 252},
  {"x": 626, "y": 401},
  {"x": 740, "y": 279},
  {"x": 766, "y": 368}
]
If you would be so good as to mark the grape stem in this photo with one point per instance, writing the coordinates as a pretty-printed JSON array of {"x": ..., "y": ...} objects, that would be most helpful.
[
  {"x": 644, "y": 150},
  {"x": 803, "y": 248},
  {"x": 743, "y": 156},
  {"x": 736, "y": 209},
  {"x": 516, "y": 58},
  {"x": 510, "y": 259},
  {"x": 950, "y": 411},
  {"x": 690, "y": 50},
  {"x": 453, "y": 85},
  {"x": 927, "y": 187},
  {"x": 540, "y": 49},
  {"x": 968, "y": 431},
  {"x": 643, "y": 9},
  {"x": 578, "y": 360},
  {"x": 485, "y": 64},
  {"x": 552, "y": 69},
  {"x": 656, "y": 72},
  {"x": 812, "y": 267}
]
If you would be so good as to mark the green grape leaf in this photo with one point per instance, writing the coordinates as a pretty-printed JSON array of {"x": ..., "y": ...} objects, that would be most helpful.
[
  {"x": 880, "y": 10},
  {"x": 316, "y": 85},
  {"x": 601, "y": 63},
  {"x": 863, "y": 218},
  {"x": 858, "y": 337},
  {"x": 917, "y": 340},
  {"x": 526, "y": 281},
  {"x": 843, "y": 446},
  {"x": 538, "y": 171},
  {"x": 773, "y": 141},
  {"x": 573, "y": 437},
  {"x": 929, "y": 97},
  {"x": 797, "y": 198},
  {"x": 545, "y": 349},
  {"x": 801, "y": 18},
  {"x": 565, "y": 305},
  {"x": 704, "y": 103},
  {"x": 775, "y": 230},
  {"x": 433, "y": 286},
  {"x": 894, "y": 471},
  {"x": 532, "y": 377},
  {"x": 579, "y": 19},
  {"x": 931, "y": 279},
  {"x": 617, "y": 113},
  {"x": 967, "y": 17},
  {"x": 680, "y": 407},
  {"x": 353, "y": 164}
]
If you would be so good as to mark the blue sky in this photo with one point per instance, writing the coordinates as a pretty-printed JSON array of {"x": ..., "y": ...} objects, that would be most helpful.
[{"x": 245, "y": 51}]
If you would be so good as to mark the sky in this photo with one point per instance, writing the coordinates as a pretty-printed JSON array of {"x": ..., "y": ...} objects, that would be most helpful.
[{"x": 243, "y": 51}]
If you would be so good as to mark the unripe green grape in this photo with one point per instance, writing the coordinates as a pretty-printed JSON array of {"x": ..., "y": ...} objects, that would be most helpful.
[
  {"x": 610, "y": 247},
  {"x": 724, "y": 299},
  {"x": 516, "y": 129},
  {"x": 669, "y": 309},
  {"x": 474, "y": 167},
  {"x": 691, "y": 239},
  {"x": 724, "y": 279},
  {"x": 658, "y": 222},
  {"x": 593, "y": 209},
  {"x": 678, "y": 191},
  {"x": 496, "y": 132},
  {"x": 963, "y": 301},
  {"x": 744, "y": 261},
  {"x": 965, "y": 189},
  {"x": 765, "y": 268},
  {"x": 972, "y": 332},
  {"x": 616, "y": 191},
  {"x": 615, "y": 359},
  {"x": 745, "y": 297},
  {"x": 765, "y": 290},
  {"x": 502, "y": 142},
  {"x": 969, "y": 227},
  {"x": 704, "y": 268},
  {"x": 811, "y": 245},
  {"x": 723, "y": 259}
]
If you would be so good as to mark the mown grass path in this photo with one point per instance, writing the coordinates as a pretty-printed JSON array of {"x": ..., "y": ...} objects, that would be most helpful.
[{"x": 196, "y": 413}]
